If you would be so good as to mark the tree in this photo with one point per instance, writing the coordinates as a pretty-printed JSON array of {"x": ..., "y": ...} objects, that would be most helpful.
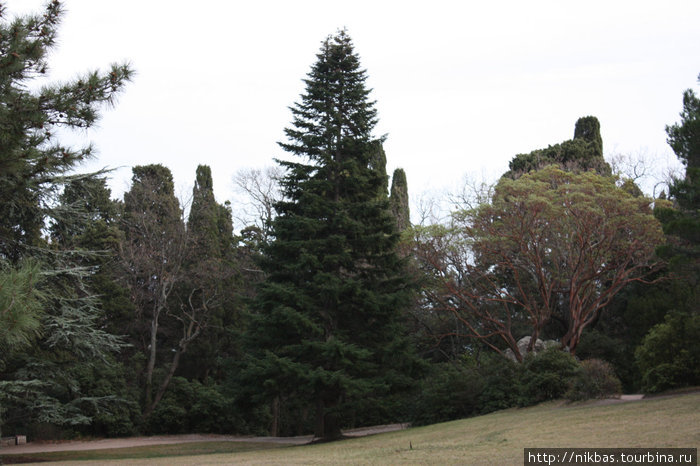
[
  {"x": 551, "y": 245},
  {"x": 211, "y": 276},
  {"x": 261, "y": 191},
  {"x": 583, "y": 152},
  {"x": 153, "y": 253},
  {"x": 43, "y": 299},
  {"x": 325, "y": 327},
  {"x": 667, "y": 355},
  {"x": 684, "y": 139},
  {"x": 399, "y": 199}
]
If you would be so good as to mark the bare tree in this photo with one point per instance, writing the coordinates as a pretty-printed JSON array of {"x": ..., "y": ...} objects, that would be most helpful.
[
  {"x": 259, "y": 189},
  {"x": 652, "y": 173}
]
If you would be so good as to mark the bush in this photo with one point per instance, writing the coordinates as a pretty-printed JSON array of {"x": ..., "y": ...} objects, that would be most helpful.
[
  {"x": 594, "y": 379},
  {"x": 547, "y": 376},
  {"x": 669, "y": 356},
  {"x": 190, "y": 406},
  {"x": 450, "y": 391},
  {"x": 501, "y": 379}
]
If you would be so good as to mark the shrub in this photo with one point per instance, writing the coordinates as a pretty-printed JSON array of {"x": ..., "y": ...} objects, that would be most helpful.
[
  {"x": 449, "y": 392},
  {"x": 547, "y": 376},
  {"x": 501, "y": 379},
  {"x": 669, "y": 356},
  {"x": 594, "y": 379},
  {"x": 190, "y": 406}
]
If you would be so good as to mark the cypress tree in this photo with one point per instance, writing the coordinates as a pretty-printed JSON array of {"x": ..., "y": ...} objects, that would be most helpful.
[
  {"x": 588, "y": 129},
  {"x": 582, "y": 153},
  {"x": 210, "y": 266},
  {"x": 326, "y": 324},
  {"x": 399, "y": 199}
]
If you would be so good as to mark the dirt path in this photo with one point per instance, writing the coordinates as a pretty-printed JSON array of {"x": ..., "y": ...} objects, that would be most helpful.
[{"x": 103, "y": 444}]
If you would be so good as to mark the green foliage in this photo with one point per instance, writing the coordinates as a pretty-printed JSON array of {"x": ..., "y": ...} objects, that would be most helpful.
[
  {"x": 190, "y": 406},
  {"x": 684, "y": 137},
  {"x": 548, "y": 375},
  {"x": 45, "y": 298},
  {"x": 113, "y": 405},
  {"x": 460, "y": 389},
  {"x": 20, "y": 307},
  {"x": 594, "y": 379},
  {"x": 669, "y": 356},
  {"x": 502, "y": 380},
  {"x": 582, "y": 153},
  {"x": 399, "y": 199},
  {"x": 327, "y": 324},
  {"x": 449, "y": 391},
  {"x": 504, "y": 269},
  {"x": 588, "y": 129},
  {"x": 211, "y": 278},
  {"x": 32, "y": 160}
]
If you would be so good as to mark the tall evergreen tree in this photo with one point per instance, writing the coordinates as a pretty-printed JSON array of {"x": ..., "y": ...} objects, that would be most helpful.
[
  {"x": 43, "y": 298},
  {"x": 327, "y": 323},
  {"x": 211, "y": 273},
  {"x": 682, "y": 221},
  {"x": 399, "y": 199}
]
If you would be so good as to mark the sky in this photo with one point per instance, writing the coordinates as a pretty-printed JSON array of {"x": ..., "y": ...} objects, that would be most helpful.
[{"x": 461, "y": 86}]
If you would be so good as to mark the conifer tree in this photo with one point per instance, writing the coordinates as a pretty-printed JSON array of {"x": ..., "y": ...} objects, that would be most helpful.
[
  {"x": 399, "y": 199},
  {"x": 211, "y": 274},
  {"x": 582, "y": 153},
  {"x": 43, "y": 298},
  {"x": 327, "y": 323}
]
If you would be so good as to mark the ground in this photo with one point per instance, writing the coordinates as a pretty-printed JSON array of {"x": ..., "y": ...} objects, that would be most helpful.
[{"x": 81, "y": 445}]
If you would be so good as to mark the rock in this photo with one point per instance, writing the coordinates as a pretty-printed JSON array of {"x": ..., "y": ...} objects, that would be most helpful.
[{"x": 524, "y": 343}]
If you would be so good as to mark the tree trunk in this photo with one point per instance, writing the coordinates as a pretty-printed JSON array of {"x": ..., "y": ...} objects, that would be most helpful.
[
  {"x": 164, "y": 385},
  {"x": 327, "y": 422},
  {"x": 320, "y": 409},
  {"x": 275, "y": 427},
  {"x": 151, "y": 360}
]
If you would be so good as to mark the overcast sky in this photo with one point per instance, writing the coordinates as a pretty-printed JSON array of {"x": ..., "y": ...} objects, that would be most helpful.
[{"x": 461, "y": 86}]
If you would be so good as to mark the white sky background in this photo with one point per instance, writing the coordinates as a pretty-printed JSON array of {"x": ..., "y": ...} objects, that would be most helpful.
[{"x": 461, "y": 86}]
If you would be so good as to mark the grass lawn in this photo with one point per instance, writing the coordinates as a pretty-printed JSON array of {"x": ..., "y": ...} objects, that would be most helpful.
[{"x": 497, "y": 438}]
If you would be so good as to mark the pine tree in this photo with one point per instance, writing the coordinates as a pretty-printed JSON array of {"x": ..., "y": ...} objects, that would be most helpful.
[
  {"x": 327, "y": 327},
  {"x": 682, "y": 221},
  {"x": 42, "y": 282}
]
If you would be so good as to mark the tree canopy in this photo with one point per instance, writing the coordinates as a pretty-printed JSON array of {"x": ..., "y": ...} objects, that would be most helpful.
[{"x": 551, "y": 245}]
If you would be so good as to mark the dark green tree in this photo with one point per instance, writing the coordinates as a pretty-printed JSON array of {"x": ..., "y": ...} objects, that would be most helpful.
[
  {"x": 153, "y": 253},
  {"x": 211, "y": 277},
  {"x": 681, "y": 216},
  {"x": 399, "y": 199},
  {"x": 582, "y": 153},
  {"x": 326, "y": 329},
  {"x": 684, "y": 139},
  {"x": 588, "y": 129},
  {"x": 667, "y": 356},
  {"x": 44, "y": 299}
]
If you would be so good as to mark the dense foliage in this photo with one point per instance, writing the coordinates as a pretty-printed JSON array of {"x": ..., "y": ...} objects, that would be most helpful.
[
  {"x": 330, "y": 310},
  {"x": 326, "y": 330},
  {"x": 51, "y": 321}
]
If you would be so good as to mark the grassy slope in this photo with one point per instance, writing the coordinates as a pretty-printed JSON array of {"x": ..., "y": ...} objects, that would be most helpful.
[{"x": 497, "y": 438}]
